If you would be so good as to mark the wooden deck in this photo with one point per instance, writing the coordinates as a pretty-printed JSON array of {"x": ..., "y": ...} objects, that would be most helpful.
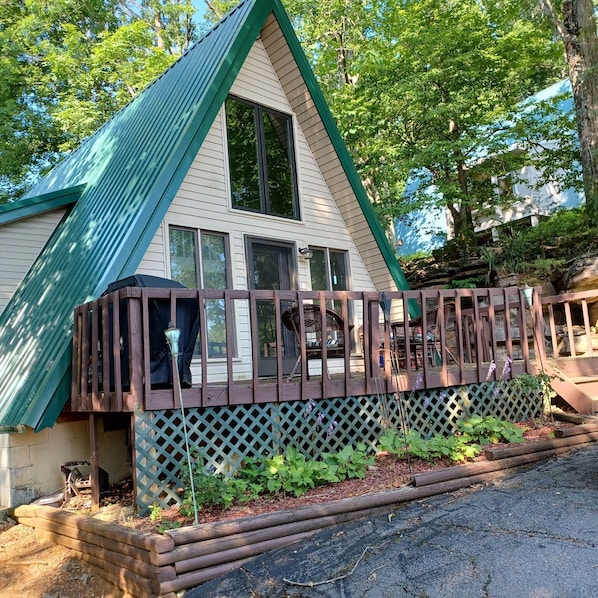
[{"x": 423, "y": 339}]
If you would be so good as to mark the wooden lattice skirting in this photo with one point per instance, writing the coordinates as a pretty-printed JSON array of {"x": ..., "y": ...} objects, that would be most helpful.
[
  {"x": 226, "y": 435},
  {"x": 147, "y": 565}
]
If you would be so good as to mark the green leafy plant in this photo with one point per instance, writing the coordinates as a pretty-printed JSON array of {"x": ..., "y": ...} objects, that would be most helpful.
[
  {"x": 488, "y": 256},
  {"x": 291, "y": 473},
  {"x": 350, "y": 462},
  {"x": 535, "y": 388},
  {"x": 211, "y": 489},
  {"x": 466, "y": 283},
  {"x": 473, "y": 434},
  {"x": 400, "y": 445},
  {"x": 393, "y": 443},
  {"x": 539, "y": 251},
  {"x": 164, "y": 524},
  {"x": 294, "y": 473},
  {"x": 441, "y": 446},
  {"x": 489, "y": 430}
]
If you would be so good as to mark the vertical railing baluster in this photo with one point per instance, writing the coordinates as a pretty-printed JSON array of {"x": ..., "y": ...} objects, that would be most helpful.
[
  {"x": 138, "y": 353},
  {"x": 77, "y": 358},
  {"x": 104, "y": 344}
]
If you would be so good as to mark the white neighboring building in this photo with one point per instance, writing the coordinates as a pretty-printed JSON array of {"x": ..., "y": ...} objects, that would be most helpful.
[{"x": 423, "y": 231}]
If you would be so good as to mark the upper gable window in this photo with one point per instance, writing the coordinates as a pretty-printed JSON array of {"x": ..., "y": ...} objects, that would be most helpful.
[{"x": 261, "y": 159}]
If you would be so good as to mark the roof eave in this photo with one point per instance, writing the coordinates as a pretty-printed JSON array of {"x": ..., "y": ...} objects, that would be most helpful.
[{"x": 33, "y": 206}]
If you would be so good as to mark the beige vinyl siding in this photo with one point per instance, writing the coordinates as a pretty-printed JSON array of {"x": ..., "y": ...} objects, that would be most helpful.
[
  {"x": 203, "y": 202},
  {"x": 154, "y": 262},
  {"x": 20, "y": 244}
]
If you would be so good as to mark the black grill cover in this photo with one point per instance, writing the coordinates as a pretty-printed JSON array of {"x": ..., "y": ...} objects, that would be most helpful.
[{"x": 187, "y": 320}]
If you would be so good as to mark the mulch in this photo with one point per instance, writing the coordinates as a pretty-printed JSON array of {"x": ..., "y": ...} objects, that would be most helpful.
[{"x": 387, "y": 473}]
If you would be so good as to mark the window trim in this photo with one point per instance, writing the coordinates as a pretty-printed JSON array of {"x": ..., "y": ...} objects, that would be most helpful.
[
  {"x": 327, "y": 251},
  {"x": 197, "y": 232}
]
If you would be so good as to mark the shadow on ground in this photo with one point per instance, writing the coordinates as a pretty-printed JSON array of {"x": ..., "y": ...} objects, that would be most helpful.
[{"x": 530, "y": 534}]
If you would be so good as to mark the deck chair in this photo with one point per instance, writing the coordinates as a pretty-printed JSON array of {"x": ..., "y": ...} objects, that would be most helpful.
[
  {"x": 433, "y": 319},
  {"x": 312, "y": 318}
]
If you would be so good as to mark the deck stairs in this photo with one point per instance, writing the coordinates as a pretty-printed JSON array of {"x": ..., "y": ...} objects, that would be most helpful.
[{"x": 576, "y": 381}]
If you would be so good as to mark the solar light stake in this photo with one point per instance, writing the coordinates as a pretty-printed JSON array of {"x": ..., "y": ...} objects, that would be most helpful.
[{"x": 173, "y": 335}]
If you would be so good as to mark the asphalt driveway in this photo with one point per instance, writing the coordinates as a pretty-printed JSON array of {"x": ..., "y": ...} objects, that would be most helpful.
[{"x": 531, "y": 534}]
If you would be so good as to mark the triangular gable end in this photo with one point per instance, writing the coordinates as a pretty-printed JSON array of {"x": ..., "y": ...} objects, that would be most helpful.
[{"x": 131, "y": 168}]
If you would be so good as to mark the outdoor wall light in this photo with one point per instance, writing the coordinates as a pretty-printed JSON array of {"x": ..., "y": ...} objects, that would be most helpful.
[
  {"x": 306, "y": 253},
  {"x": 172, "y": 335}
]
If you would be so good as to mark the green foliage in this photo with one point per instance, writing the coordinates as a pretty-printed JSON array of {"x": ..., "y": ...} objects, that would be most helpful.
[
  {"x": 164, "y": 524},
  {"x": 422, "y": 84},
  {"x": 529, "y": 383},
  {"x": 535, "y": 387},
  {"x": 155, "y": 512},
  {"x": 212, "y": 490},
  {"x": 393, "y": 443},
  {"x": 456, "y": 448},
  {"x": 540, "y": 250},
  {"x": 67, "y": 66},
  {"x": 295, "y": 474},
  {"x": 291, "y": 473},
  {"x": 474, "y": 433},
  {"x": 350, "y": 462},
  {"x": 489, "y": 430},
  {"x": 466, "y": 283}
]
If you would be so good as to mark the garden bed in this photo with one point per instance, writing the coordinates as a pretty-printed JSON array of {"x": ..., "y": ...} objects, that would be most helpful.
[{"x": 151, "y": 564}]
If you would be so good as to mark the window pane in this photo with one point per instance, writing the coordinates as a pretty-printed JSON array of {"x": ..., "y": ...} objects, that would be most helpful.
[
  {"x": 338, "y": 271},
  {"x": 214, "y": 276},
  {"x": 183, "y": 265},
  {"x": 214, "y": 263},
  {"x": 242, "y": 155},
  {"x": 281, "y": 192},
  {"x": 317, "y": 268}
]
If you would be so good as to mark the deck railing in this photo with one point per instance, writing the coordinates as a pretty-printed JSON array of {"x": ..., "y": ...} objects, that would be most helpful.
[
  {"x": 570, "y": 330},
  {"x": 244, "y": 354}
]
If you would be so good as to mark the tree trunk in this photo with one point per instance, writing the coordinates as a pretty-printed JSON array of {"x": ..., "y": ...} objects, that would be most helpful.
[
  {"x": 581, "y": 48},
  {"x": 464, "y": 229}
]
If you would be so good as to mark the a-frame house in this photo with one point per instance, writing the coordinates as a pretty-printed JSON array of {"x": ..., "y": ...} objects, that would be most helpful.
[{"x": 216, "y": 175}]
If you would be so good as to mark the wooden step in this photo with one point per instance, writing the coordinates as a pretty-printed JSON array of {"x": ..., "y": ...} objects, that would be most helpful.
[
  {"x": 589, "y": 385},
  {"x": 577, "y": 395},
  {"x": 580, "y": 367}
]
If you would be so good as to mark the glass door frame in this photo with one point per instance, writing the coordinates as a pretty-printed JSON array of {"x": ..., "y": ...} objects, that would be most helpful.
[{"x": 288, "y": 277}]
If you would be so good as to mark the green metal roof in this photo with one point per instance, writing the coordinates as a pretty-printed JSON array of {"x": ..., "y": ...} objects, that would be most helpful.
[{"x": 131, "y": 169}]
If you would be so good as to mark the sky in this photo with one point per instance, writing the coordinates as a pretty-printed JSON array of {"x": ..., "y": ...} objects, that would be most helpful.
[{"x": 200, "y": 6}]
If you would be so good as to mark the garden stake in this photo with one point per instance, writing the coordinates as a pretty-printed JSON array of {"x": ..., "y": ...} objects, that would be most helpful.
[
  {"x": 395, "y": 365},
  {"x": 172, "y": 339}
]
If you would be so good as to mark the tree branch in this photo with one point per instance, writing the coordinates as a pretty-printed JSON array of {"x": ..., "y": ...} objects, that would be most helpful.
[
  {"x": 211, "y": 6},
  {"x": 312, "y": 584}
]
